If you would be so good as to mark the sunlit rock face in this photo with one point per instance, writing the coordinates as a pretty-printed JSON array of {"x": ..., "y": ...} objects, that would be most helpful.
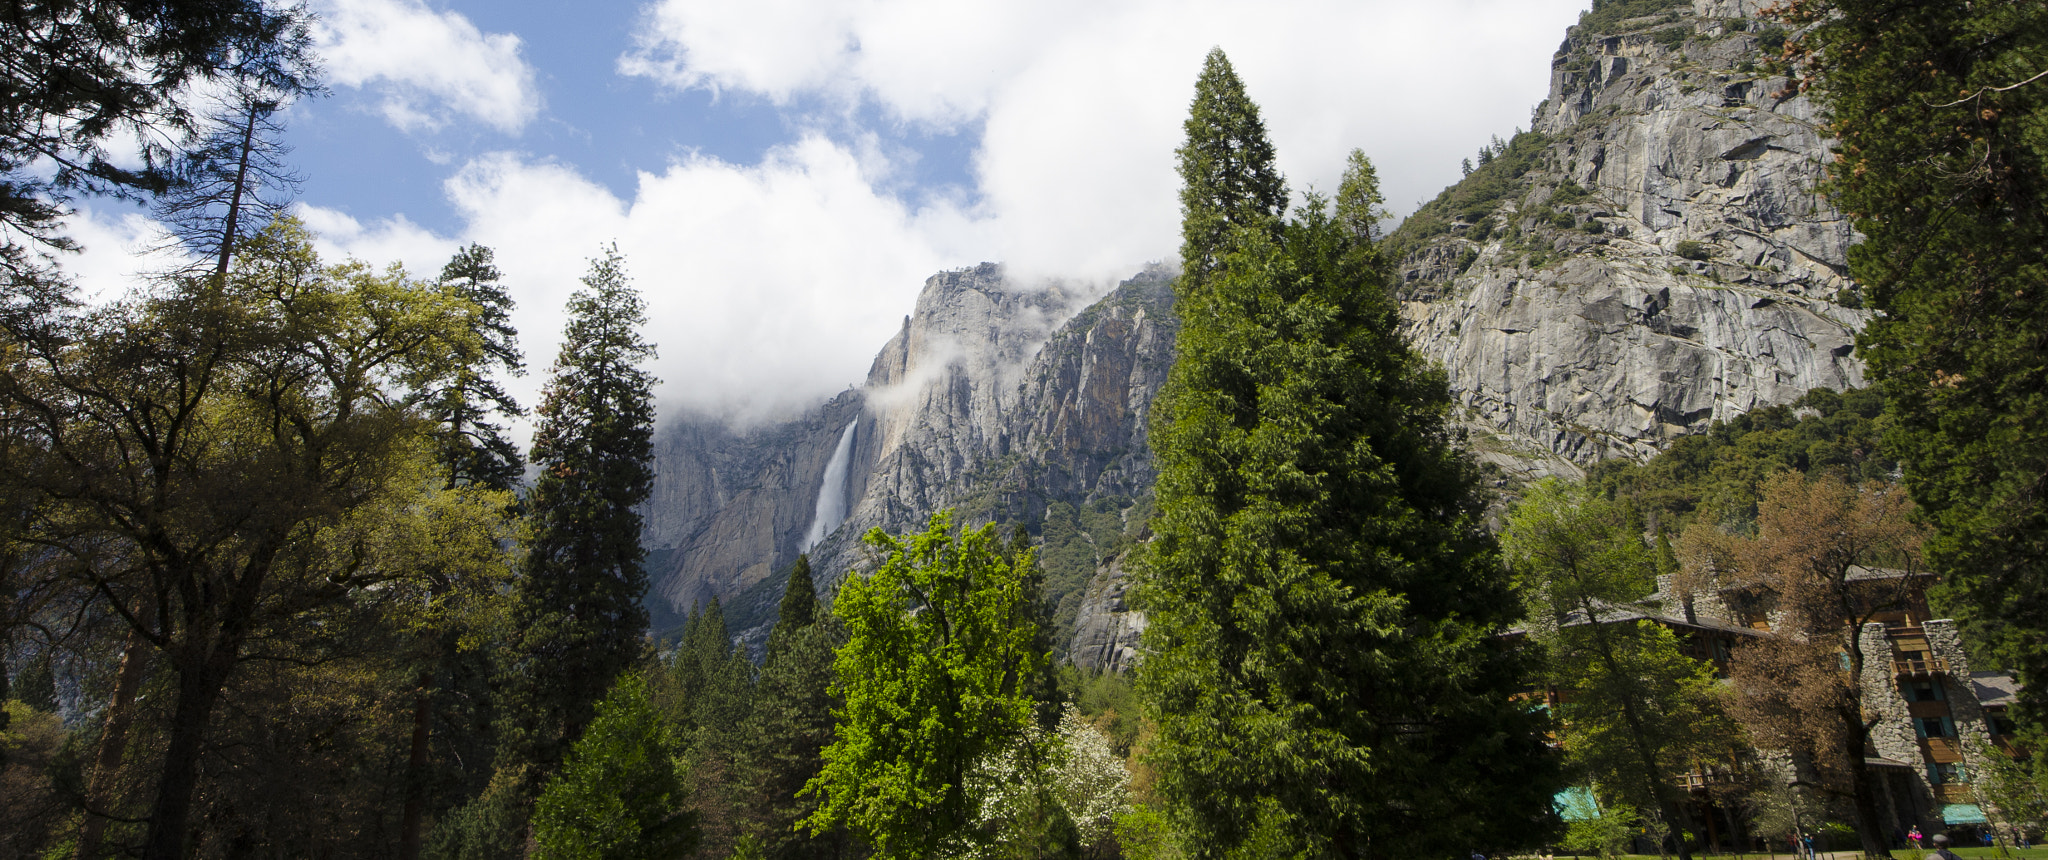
[{"x": 1701, "y": 275}]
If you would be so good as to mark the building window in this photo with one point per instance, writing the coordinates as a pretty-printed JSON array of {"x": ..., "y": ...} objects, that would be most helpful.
[
  {"x": 1923, "y": 691},
  {"x": 2003, "y": 726},
  {"x": 1935, "y": 727}
]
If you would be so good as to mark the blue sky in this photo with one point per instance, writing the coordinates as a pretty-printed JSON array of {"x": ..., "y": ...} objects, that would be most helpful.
[{"x": 783, "y": 174}]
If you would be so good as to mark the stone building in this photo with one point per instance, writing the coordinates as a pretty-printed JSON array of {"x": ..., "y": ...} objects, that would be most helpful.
[{"x": 1937, "y": 717}]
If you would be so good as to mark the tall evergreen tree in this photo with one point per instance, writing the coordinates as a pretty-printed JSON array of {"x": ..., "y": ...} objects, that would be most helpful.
[
  {"x": 799, "y": 608},
  {"x": 1226, "y": 169},
  {"x": 471, "y": 451},
  {"x": 1324, "y": 656},
  {"x": 233, "y": 180},
  {"x": 1941, "y": 111},
  {"x": 473, "y": 448},
  {"x": 577, "y": 602}
]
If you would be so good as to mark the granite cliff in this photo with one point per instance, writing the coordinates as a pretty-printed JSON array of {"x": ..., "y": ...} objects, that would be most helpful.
[
  {"x": 1651, "y": 257},
  {"x": 1009, "y": 403}
]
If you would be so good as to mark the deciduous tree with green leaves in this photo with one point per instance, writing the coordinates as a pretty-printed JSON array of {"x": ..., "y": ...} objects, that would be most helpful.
[
  {"x": 929, "y": 677},
  {"x": 1324, "y": 656}
]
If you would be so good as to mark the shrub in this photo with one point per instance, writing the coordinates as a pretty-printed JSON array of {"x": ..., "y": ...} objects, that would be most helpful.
[{"x": 1693, "y": 249}]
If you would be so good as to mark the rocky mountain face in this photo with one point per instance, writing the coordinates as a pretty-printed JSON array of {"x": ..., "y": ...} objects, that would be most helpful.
[
  {"x": 995, "y": 399},
  {"x": 1651, "y": 257}
]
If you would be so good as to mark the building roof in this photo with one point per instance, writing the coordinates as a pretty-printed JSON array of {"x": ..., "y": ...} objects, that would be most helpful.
[
  {"x": 1859, "y": 573},
  {"x": 1611, "y": 613},
  {"x": 1994, "y": 689}
]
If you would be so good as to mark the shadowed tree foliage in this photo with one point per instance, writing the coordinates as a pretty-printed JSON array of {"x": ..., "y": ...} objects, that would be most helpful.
[
  {"x": 75, "y": 76},
  {"x": 197, "y": 437},
  {"x": 1941, "y": 113}
]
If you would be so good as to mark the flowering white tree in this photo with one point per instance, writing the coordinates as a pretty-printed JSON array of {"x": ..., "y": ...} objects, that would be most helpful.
[{"x": 1059, "y": 789}]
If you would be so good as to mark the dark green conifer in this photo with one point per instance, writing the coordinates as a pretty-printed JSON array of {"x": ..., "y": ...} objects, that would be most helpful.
[
  {"x": 473, "y": 448},
  {"x": 791, "y": 723},
  {"x": 1226, "y": 168},
  {"x": 577, "y": 602},
  {"x": 1324, "y": 656},
  {"x": 1941, "y": 113},
  {"x": 799, "y": 607}
]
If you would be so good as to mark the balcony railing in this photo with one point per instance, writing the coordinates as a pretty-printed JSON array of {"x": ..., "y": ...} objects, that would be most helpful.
[
  {"x": 1696, "y": 779},
  {"x": 1920, "y": 668}
]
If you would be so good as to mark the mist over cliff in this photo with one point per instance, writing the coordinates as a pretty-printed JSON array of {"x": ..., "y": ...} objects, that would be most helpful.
[{"x": 1650, "y": 257}]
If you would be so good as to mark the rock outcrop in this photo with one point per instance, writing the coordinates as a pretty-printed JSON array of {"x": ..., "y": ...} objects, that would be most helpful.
[
  {"x": 1660, "y": 259},
  {"x": 994, "y": 399}
]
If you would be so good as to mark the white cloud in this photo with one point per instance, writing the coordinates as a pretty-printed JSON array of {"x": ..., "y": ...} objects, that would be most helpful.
[
  {"x": 1081, "y": 102},
  {"x": 120, "y": 248},
  {"x": 768, "y": 286},
  {"x": 425, "y": 65}
]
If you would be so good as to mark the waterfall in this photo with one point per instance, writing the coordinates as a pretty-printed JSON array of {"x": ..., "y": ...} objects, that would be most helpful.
[{"x": 832, "y": 491}]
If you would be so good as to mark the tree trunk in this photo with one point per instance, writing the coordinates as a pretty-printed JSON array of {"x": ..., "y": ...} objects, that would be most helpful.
[
  {"x": 199, "y": 688},
  {"x": 106, "y": 768},
  {"x": 416, "y": 770}
]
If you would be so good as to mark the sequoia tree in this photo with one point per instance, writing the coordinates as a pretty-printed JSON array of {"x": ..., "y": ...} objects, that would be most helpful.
[{"x": 1324, "y": 656}]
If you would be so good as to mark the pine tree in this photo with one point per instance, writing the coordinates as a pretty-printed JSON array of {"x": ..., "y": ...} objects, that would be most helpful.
[
  {"x": 233, "y": 180},
  {"x": 1324, "y": 651},
  {"x": 471, "y": 451},
  {"x": 474, "y": 449},
  {"x": 577, "y": 602},
  {"x": 799, "y": 609}
]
